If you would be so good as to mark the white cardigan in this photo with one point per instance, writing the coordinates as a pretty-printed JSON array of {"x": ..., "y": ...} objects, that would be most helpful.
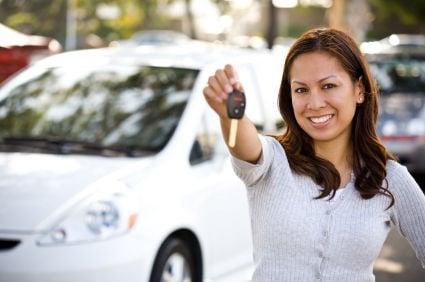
[{"x": 298, "y": 238}]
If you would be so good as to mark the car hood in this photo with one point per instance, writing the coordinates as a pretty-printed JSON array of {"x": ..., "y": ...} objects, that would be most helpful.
[
  {"x": 33, "y": 186},
  {"x": 403, "y": 110}
]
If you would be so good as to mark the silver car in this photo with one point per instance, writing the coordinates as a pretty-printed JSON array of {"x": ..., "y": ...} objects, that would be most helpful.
[{"x": 400, "y": 74}]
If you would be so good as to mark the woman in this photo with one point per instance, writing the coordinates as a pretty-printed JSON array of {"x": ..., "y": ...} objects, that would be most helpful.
[{"x": 324, "y": 195}]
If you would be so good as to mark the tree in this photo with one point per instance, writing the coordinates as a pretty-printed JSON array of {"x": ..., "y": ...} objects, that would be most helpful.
[
  {"x": 35, "y": 17},
  {"x": 272, "y": 24},
  {"x": 49, "y": 19},
  {"x": 397, "y": 16}
]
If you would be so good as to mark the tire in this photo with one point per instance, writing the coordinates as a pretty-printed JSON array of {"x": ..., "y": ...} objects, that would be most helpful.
[{"x": 174, "y": 262}]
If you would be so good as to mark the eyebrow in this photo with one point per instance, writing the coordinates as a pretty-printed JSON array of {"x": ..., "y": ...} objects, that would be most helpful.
[{"x": 320, "y": 80}]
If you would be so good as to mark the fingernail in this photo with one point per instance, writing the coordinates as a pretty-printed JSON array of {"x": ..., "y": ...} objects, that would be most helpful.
[
  {"x": 229, "y": 88},
  {"x": 218, "y": 99},
  {"x": 232, "y": 80}
]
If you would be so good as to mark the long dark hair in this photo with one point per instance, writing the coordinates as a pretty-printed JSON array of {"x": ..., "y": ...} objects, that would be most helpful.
[{"x": 369, "y": 155}]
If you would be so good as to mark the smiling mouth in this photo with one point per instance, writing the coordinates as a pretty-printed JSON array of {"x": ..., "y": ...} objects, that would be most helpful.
[{"x": 321, "y": 119}]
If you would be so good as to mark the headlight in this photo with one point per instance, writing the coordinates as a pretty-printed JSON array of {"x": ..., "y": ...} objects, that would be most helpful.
[{"x": 100, "y": 216}]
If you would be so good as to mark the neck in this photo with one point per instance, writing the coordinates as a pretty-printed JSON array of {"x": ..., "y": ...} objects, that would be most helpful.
[{"x": 337, "y": 152}]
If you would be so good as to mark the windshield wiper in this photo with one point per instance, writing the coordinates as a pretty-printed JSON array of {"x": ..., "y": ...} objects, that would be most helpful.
[{"x": 61, "y": 146}]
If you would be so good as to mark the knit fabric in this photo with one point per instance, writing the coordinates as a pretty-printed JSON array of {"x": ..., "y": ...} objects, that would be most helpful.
[{"x": 298, "y": 238}]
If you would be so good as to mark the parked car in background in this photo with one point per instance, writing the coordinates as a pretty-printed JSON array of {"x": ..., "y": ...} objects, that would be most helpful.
[
  {"x": 17, "y": 50},
  {"x": 404, "y": 41},
  {"x": 113, "y": 168},
  {"x": 400, "y": 74}
]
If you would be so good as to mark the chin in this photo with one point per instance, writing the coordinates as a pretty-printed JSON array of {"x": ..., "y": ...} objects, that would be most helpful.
[{"x": 322, "y": 136}]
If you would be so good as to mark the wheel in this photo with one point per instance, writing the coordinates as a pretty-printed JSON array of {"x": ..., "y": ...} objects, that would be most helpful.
[{"x": 174, "y": 263}]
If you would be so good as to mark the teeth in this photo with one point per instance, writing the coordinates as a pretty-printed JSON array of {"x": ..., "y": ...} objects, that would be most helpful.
[{"x": 321, "y": 119}]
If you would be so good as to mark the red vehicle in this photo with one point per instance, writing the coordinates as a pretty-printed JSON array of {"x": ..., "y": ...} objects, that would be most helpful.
[{"x": 17, "y": 50}]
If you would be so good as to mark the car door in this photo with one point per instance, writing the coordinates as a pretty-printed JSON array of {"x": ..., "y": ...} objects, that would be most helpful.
[
  {"x": 224, "y": 216},
  {"x": 228, "y": 217}
]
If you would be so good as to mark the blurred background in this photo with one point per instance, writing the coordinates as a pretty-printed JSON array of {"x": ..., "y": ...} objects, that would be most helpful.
[
  {"x": 33, "y": 29},
  {"x": 36, "y": 28},
  {"x": 93, "y": 23}
]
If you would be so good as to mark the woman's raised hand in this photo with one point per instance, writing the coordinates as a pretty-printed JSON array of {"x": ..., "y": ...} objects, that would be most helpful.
[{"x": 223, "y": 82}]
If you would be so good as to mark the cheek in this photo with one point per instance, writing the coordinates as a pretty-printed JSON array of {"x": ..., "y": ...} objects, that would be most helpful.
[{"x": 298, "y": 105}]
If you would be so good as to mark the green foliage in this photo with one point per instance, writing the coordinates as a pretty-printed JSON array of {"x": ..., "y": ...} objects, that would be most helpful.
[
  {"x": 397, "y": 16},
  {"x": 407, "y": 12},
  {"x": 48, "y": 17},
  {"x": 35, "y": 16}
]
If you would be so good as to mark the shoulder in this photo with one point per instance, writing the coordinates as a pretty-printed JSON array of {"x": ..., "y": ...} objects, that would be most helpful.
[
  {"x": 396, "y": 171},
  {"x": 272, "y": 142},
  {"x": 399, "y": 179}
]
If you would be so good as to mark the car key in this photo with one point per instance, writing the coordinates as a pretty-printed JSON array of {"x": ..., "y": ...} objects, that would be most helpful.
[{"x": 235, "y": 110}]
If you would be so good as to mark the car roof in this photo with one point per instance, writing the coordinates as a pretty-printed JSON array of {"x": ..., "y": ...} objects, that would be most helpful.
[
  {"x": 396, "y": 53},
  {"x": 410, "y": 40},
  {"x": 193, "y": 55}
]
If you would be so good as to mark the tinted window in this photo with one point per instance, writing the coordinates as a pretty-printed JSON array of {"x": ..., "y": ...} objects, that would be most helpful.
[
  {"x": 108, "y": 105},
  {"x": 399, "y": 74}
]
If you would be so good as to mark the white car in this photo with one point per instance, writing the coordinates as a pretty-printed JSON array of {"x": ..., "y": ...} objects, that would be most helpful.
[{"x": 113, "y": 168}]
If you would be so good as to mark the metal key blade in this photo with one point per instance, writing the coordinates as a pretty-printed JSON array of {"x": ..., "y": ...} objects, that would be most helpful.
[{"x": 232, "y": 133}]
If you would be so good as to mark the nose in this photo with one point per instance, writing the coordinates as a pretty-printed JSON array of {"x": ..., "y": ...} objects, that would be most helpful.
[{"x": 316, "y": 101}]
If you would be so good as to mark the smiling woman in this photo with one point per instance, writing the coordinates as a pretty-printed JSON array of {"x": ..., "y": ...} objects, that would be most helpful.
[
  {"x": 325, "y": 102},
  {"x": 324, "y": 194}
]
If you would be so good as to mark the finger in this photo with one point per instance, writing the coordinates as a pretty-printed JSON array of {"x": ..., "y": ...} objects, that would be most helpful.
[
  {"x": 223, "y": 80},
  {"x": 231, "y": 74},
  {"x": 238, "y": 86},
  {"x": 209, "y": 94},
  {"x": 213, "y": 83}
]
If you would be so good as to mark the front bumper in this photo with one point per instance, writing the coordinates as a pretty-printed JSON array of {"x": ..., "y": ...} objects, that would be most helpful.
[{"x": 116, "y": 259}]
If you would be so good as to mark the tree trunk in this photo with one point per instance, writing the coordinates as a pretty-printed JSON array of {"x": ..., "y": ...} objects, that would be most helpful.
[
  {"x": 272, "y": 24},
  {"x": 352, "y": 16},
  {"x": 190, "y": 19},
  {"x": 337, "y": 15}
]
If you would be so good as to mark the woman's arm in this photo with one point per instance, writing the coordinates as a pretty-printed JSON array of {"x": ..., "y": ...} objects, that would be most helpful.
[
  {"x": 248, "y": 145},
  {"x": 409, "y": 210}
]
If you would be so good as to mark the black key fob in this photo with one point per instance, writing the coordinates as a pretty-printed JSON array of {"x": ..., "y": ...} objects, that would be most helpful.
[{"x": 236, "y": 103}]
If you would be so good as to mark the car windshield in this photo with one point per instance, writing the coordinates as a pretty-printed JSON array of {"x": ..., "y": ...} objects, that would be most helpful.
[
  {"x": 110, "y": 106},
  {"x": 399, "y": 73}
]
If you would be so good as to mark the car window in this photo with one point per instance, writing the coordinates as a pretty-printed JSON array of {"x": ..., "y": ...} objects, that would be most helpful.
[
  {"x": 203, "y": 147},
  {"x": 254, "y": 105},
  {"x": 399, "y": 74},
  {"x": 137, "y": 106}
]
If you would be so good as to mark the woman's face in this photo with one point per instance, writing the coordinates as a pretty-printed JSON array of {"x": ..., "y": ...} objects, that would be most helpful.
[{"x": 324, "y": 97}]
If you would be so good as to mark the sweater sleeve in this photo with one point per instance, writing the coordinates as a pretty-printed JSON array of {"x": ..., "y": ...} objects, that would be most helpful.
[
  {"x": 250, "y": 173},
  {"x": 409, "y": 209}
]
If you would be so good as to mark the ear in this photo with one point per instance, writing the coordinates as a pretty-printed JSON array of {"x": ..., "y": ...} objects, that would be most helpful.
[{"x": 359, "y": 90}]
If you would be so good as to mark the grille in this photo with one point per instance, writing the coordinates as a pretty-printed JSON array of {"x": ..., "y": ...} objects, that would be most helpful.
[{"x": 8, "y": 244}]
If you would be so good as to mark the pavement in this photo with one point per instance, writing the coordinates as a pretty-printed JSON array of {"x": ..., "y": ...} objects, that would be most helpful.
[{"x": 398, "y": 262}]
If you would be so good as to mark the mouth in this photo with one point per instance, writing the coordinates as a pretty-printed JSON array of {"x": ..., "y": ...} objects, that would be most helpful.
[{"x": 320, "y": 120}]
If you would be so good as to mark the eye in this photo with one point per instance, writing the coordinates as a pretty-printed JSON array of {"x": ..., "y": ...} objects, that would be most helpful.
[
  {"x": 329, "y": 86},
  {"x": 300, "y": 90}
]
